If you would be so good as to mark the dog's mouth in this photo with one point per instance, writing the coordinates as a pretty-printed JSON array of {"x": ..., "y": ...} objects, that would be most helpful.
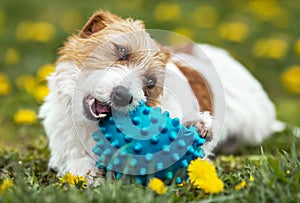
[{"x": 95, "y": 109}]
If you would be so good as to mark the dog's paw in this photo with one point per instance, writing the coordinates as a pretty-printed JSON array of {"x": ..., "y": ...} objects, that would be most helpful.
[
  {"x": 95, "y": 177},
  {"x": 203, "y": 125}
]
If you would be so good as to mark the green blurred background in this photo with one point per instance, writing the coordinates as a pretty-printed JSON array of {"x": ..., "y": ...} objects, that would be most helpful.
[{"x": 262, "y": 34}]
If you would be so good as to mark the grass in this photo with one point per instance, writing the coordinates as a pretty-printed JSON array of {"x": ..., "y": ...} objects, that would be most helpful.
[{"x": 276, "y": 174}]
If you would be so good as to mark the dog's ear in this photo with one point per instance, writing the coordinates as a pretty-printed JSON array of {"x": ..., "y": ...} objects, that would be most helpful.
[{"x": 97, "y": 22}]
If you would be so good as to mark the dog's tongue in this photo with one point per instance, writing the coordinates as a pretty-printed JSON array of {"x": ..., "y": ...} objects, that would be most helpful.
[{"x": 100, "y": 108}]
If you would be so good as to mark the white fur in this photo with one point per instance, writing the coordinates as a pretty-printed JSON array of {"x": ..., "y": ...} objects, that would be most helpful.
[
  {"x": 178, "y": 97},
  {"x": 249, "y": 113}
]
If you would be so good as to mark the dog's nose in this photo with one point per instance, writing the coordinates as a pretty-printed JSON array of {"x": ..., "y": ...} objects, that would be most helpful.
[{"x": 121, "y": 96}]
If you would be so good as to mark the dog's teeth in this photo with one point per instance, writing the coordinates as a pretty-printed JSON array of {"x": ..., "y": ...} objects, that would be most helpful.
[
  {"x": 90, "y": 105},
  {"x": 96, "y": 116},
  {"x": 92, "y": 101},
  {"x": 102, "y": 115}
]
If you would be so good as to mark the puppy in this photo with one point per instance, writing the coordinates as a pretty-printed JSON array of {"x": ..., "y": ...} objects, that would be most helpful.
[{"x": 114, "y": 63}]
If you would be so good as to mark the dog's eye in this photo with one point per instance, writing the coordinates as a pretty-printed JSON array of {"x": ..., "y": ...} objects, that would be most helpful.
[
  {"x": 151, "y": 81},
  {"x": 121, "y": 52}
]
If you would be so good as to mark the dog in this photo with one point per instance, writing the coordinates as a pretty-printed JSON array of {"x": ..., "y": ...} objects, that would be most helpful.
[{"x": 114, "y": 63}]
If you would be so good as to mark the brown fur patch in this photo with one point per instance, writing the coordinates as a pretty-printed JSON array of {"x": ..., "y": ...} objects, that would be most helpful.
[
  {"x": 186, "y": 48},
  {"x": 199, "y": 87},
  {"x": 97, "y": 22}
]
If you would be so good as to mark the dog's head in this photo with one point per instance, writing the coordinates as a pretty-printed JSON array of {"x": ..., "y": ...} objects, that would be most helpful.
[{"x": 112, "y": 62}]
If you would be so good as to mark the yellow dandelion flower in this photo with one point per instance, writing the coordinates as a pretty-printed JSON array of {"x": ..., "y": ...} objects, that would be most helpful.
[
  {"x": 25, "y": 116},
  {"x": 44, "y": 32},
  {"x": 26, "y": 82},
  {"x": 45, "y": 71},
  {"x": 203, "y": 175},
  {"x": 7, "y": 183},
  {"x": 182, "y": 36},
  {"x": 290, "y": 79},
  {"x": 24, "y": 31},
  {"x": 297, "y": 47},
  {"x": 12, "y": 56},
  {"x": 264, "y": 10},
  {"x": 4, "y": 85},
  {"x": 157, "y": 186},
  {"x": 205, "y": 16},
  {"x": 184, "y": 31},
  {"x": 233, "y": 31},
  {"x": 166, "y": 11},
  {"x": 39, "y": 31},
  {"x": 73, "y": 180},
  {"x": 40, "y": 92},
  {"x": 180, "y": 184},
  {"x": 251, "y": 179},
  {"x": 68, "y": 178},
  {"x": 241, "y": 185},
  {"x": 275, "y": 48}
]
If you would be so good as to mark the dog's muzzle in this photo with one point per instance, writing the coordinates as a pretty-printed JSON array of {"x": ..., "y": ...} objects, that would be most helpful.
[{"x": 95, "y": 109}]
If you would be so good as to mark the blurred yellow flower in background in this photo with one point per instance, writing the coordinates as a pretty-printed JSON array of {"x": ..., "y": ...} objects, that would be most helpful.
[
  {"x": 12, "y": 56},
  {"x": 205, "y": 16},
  {"x": 26, "y": 82},
  {"x": 270, "y": 10},
  {"x": 39, "y": 31},
  {"x": 203, "y": 175},
  {"x": 233, "y": 31},
  {"x": 297, "y": 47},
  {"x": 184, "y": 31},
  {"x": 25, "y": 116},
  {"x": 180, "y": 35},
  {"x": 275, "y": 48},
  {"x": 290, "y": 79},
  {"x": 45, "y": 71},
  {"x": 73, "y": 180},
  {"x": 157, "y": 186},
  {"x": 40, "y": 92},
  {"x": 24, "y": 31},
  {"x": 4, "y": 85},
  {"x": 241, "y": 185},
  {"x": 166, "y": 11},
  {"x": 264, "y": 9},
  {"x": 7, "y": 183},
  {"x": 251, "y": 178},
  {"x": 36, "y": 86}
]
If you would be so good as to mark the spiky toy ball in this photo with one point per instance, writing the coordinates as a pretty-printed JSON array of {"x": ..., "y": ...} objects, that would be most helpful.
[{"x": 146, "y": 143}]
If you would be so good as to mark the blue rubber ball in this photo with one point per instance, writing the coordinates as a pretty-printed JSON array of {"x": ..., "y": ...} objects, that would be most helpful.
[{"x": 146, "y": 143}]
